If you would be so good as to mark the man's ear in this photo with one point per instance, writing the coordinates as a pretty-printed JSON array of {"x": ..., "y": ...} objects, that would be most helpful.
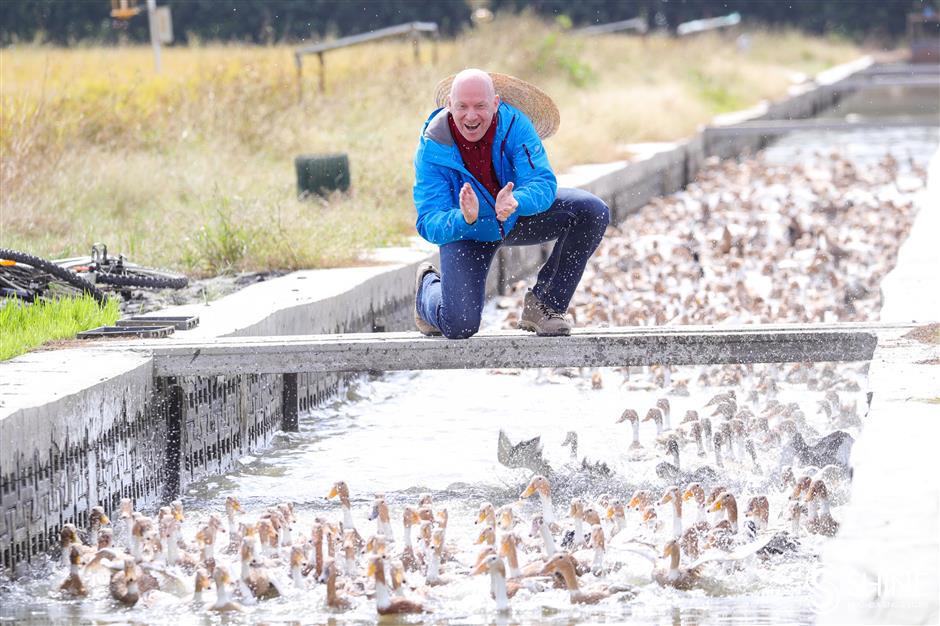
[
  {"x": 447, "y": 102},
  {"x": 496, "y": 101}
]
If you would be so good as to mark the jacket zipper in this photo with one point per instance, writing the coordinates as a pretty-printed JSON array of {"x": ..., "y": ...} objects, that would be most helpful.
[
  {"x": 528, "y": 156},
  {"x": 502, "y": 150}
]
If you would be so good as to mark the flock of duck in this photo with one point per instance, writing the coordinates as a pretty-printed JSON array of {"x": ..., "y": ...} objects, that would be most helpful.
[{"x": 739, "y": 483}]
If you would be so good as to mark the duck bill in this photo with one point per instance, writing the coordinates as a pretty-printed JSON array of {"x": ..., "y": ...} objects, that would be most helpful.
[
  {"x": 105, "y": 520},
  {"x": 333, "y": 493},
  {"x": 480, "y": 568},
  {"x": 548, "y": 570},
  {"x": 688, "y": 495},
  {"x": 528, "y": 492}
]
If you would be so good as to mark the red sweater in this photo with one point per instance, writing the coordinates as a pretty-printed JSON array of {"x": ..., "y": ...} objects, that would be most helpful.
[{"x": 478, "y": 155}]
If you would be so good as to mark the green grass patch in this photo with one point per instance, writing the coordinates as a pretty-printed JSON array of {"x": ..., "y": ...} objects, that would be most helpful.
[{"x": 24, "y": 326}]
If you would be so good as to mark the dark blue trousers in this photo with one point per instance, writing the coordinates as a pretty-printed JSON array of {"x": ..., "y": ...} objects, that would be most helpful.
[{"x": 454, "y": 301}]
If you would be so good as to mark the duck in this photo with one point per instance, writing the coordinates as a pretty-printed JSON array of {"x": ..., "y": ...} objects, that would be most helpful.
[
  {"x": 68, "y": 539},
  {"x": 232, "y": 508},
  {"x": 820, "y": 520},
  {"x": 696, "y": 492},
  {"x": 334, "y": 599},
  {"x": 73, "y": 584},
  {"x": 617, "y": 516},
  {"x": 486, "y": 515},
  {"x": 130, "y": 582},
  {"x": 255, "y": 581},
  {"x": 385, "y": 604},
  {"x": 201, "y": 583},
  {"x": 298, "y": 563},
  {"x": 433, "y": 574},
  {"x": 758, "y": 511},
  {"x": 508, "y": 544},
  {"x": 571, "y": 439},
  {"x": 505, "y": 518},
  {"x": 575, "y": 536},
  {"x": 540, "y": 485},
  {"x": 493, "y": 565},
  {"x": 655, "y": 416},
  {"x": 695, "y": 434},
  {"x": 96, "y": 520},
  {"x": 525, "y": 454},
  {"x": 672, "y": 472},
  {"x": 409, "y": 519},
  {"x": 223, "y": 601},
  {"x": 833, "y": 449},
  {"x": 540, "y": 529},
  {"x": 728, "y": 503},
  {"x": 341, "y": 490},
  {"x": 663, "y": 405},
  {"x": 726, "y": 397},
  {"x": 380, "y": 515},
  {"x": 565, "y": 565}
]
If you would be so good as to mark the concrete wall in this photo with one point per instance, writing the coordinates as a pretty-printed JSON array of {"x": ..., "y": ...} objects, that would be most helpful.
[{"x": 117, "y": 432}]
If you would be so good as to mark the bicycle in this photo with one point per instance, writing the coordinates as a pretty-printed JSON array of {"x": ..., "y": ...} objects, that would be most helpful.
[{"x": 28, "y": 277}]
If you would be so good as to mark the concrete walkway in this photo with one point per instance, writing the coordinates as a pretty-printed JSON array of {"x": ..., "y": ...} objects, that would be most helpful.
[{"x": 884, "y": 566}]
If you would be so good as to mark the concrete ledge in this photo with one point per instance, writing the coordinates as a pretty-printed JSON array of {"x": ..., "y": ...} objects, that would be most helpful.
[{"x": 608, "y": 347}]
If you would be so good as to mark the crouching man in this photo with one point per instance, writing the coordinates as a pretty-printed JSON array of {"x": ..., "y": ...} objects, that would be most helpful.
[{"x": 482, "y": 181}]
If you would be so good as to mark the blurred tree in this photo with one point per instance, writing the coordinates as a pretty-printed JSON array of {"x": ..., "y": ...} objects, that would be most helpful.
[
  {"x": 854, "y": 18},
  {"x": 259, "y": 21}
]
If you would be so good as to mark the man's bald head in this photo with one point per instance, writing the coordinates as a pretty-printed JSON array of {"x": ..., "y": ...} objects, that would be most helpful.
[
  {"x": 472, "y": 76},
  {"x": 473, "y": 103}
]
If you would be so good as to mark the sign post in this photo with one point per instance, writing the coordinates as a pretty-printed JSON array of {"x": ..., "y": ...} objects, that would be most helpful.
[{"x": 154, "y": 35}]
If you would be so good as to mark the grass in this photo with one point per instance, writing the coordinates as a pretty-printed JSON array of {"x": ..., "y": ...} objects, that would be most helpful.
[
  {"x": 192, "y": 169},
  {"x": 25, "y": 326}
]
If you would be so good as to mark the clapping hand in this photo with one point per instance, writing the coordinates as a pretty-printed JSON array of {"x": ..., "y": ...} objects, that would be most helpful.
[
  {"x": 469, "y": 205},
  {"x": 505, "y": 203}
]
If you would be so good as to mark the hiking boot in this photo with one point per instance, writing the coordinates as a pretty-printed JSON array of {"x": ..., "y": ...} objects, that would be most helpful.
[
  {"x": 542, "y": 319},
  {"x": 423, "y": 270}
]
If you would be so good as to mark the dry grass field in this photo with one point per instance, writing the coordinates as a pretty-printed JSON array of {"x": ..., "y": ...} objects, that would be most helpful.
[{"x": 192, "y": 169}]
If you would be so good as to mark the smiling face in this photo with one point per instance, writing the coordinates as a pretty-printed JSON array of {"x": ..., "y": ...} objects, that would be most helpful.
[{"x": 473, "y": 103}]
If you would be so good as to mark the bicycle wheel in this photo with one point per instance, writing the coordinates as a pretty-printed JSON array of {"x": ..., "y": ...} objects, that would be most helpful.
[
  {"x": 124, "y": 274},
  {"x": 43, "y": 277},
  {"x": 139, "y": 276}
]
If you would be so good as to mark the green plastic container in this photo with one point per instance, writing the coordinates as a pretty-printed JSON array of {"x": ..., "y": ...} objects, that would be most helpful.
[{"x": 321, "y": 173}]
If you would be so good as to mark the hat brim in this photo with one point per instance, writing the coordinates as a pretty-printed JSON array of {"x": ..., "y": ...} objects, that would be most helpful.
[{"x": 535, "y": 103}]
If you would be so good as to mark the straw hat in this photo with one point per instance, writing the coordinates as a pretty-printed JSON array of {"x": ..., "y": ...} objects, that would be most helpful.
[{"x": 535, "y": 103}]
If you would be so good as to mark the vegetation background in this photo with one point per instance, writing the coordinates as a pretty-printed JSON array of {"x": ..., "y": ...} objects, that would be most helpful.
[{"x": 192, "y": 168}]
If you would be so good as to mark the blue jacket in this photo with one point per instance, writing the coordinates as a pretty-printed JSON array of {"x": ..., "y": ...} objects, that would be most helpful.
[{"x": 518, "y": 156}]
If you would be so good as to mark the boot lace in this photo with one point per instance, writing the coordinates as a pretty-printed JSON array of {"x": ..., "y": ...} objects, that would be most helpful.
[{"x": 549, "y": 312}]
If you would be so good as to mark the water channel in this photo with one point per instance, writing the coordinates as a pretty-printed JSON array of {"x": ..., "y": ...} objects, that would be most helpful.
[{"x": 410, "y": 433}]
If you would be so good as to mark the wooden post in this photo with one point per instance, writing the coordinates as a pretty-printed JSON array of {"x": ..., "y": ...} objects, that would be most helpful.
[
  {"x": 436, "y": 36},
  {"x": 298, "y": 61},
  {"x": 322, "y": 72}
]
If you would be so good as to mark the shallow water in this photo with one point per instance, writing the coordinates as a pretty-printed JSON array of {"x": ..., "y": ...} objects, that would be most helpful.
[{"x": 396, "y": 434}]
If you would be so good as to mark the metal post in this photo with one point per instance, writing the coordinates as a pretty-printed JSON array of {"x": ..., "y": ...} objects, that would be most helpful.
[
  {"x": 289, "y": 421},
  {"x": 322, "y": 72},
  {"x": 154, "y": 38}
]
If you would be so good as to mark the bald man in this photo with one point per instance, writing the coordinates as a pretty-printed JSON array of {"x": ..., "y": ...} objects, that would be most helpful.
[{"x": 482, "y": 181}]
